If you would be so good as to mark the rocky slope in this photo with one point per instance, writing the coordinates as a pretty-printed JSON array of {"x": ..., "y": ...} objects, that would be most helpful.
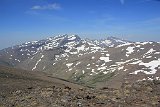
[
  {"x": 94, "y": 63},
  {"x": 21, "y": 88}
]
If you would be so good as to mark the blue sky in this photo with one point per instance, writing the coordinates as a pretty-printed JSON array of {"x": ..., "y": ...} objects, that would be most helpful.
[{"x": 26, "y": 20}]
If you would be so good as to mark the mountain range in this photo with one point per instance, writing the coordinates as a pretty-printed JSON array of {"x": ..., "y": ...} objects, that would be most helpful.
[{"x": 101, "y": 63}]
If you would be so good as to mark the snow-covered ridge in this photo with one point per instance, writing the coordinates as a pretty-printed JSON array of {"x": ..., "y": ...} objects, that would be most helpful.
[
  {"x": 69, "y": 43},
  {"x": 109, "y": 42}
]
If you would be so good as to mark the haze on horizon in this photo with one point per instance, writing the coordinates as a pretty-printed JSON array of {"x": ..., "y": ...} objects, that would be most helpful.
[{"x": 27, "y": 20}]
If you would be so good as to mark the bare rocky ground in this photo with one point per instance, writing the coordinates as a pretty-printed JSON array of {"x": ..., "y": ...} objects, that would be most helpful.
[{"x": 19, "y": 88}]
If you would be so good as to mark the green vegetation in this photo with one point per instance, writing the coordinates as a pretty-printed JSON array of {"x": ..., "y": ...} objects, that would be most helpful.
[
  {"x": 79, "y": 78},
  {"x": 100, "y": 78},
  {"x": 6, "y": 63},
  {"x": 92, "y": 81}
]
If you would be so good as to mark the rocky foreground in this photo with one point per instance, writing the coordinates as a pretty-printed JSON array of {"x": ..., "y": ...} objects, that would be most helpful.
[
  {"x": 141, "y": 94},
  {"x": 21, "y": 89}
]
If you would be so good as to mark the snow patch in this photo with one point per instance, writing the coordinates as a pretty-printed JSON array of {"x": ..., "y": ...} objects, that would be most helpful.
[
  {"x": 73, "y": 37},
  {"x": 157, "y": 53},
  {"x": 120, "y": 68},
  {"x": 138, "y": 46},
  {"x": 78, "y": 63},
  {"x": 106, "y": 59},
  {"x": 82, "y": 48},
  {"x": 83, "y": 71},
  {"x": 93, "y": 57},
  {"x": 151, "y": 65},
  {"x": 69, "y": 65},
  {"x": 53, "y": 64},
  {"x": 17, "y": 60},
  {"x": 44, "y": 67},
  {"x": 37, "y": 63},
  {"x": 144, "y": 43},
  {"x": 88, "y": 65},
  {"x": 126, "y": 44},
  {"x": 101, "y": 68},
  {"x": 108, "y": 55},
  {"x": 149, "y": 57},
  {"x": 136, "y": 62},
  {"x": 105, "y": 72},
  {"x": 70, "y": 69},
  {"x": 93, "y": 71},
  {"x": 130, "y": 50},
  {"x": 151, "y": 51}
]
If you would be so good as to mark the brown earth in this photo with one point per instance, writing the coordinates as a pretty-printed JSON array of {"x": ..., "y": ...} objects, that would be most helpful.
[{"x": 19, "y": 88}]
